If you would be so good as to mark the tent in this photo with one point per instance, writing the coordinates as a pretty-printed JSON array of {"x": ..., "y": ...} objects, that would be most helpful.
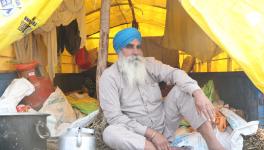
[{"x": 234, "y": 27}]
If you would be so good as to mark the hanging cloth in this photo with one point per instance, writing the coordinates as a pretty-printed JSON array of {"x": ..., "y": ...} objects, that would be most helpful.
[{"x": 68, "y": 37}]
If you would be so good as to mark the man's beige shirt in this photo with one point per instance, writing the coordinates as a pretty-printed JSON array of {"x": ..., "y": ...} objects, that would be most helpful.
[{"x": 140, "y": 106}]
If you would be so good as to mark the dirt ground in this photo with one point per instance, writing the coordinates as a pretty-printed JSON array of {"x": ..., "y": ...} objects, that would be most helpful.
[
  {"x": 255, "y": 142},
  {"x": 99, "y": 125}
]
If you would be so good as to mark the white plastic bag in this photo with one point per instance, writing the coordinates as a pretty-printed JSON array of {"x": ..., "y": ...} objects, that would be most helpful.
[
  {"x": 229, "y": 140},
  {"x": 193, "y": 139},
  {"x": 85, "y": 121},
  {"x": 14, "y": 93},
  {"x": 238, "y": 124}
]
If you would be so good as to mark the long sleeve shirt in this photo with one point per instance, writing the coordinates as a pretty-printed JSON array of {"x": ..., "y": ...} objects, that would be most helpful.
[{"x": 140, "y": 106}]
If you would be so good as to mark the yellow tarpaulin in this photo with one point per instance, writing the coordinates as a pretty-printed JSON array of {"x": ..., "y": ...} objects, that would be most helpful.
[
  {"x": 20, "y": 17},
  {"x": 237, "y": 26}
]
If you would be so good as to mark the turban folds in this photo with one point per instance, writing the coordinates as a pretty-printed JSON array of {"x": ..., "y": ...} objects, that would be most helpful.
[{"x": 124, "y": 37}]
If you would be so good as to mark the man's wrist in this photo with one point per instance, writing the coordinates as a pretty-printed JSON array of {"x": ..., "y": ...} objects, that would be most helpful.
[
  {"x": 197, "y": 93},
  {"x": 149, "y": 133},
  {"x": 153, "y": 135}
]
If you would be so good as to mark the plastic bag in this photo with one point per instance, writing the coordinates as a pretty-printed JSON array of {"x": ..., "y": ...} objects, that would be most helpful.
[
  {"x": 238, "y": 124},
  {"x": 229, "y": 139},
  {"x": 14, "y": 93},
  {"x": 86, "y": 59},
  {"x": 194, "y": 140}
]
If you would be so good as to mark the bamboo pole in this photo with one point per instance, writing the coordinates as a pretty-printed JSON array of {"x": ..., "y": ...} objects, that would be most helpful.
[{"x": 103, "y": 42}]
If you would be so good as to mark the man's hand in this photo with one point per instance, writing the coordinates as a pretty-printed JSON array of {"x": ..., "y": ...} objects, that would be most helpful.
[
  {"x": 159, "y": 140},
  {"x": 204, "y": 105}
]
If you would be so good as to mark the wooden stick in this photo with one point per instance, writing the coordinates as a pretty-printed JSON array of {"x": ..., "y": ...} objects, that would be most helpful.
[{"x": 103, "y": 43}]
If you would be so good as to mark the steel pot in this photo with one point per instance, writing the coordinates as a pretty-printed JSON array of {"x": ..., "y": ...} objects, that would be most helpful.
[
  {"x": 23, "y": 131},
  {"x": 78, "y": 139}
]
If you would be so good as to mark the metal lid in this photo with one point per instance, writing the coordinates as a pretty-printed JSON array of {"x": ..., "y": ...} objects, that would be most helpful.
[{"x": 25, "y": 114}]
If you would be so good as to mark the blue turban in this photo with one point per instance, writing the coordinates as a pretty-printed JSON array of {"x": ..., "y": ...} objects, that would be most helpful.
[{"x": 124, "y": 37}]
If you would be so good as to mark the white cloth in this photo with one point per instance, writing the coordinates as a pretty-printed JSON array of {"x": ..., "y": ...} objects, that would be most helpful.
[
  {"x": 50, "y": 38},
  {"x": 24, "y": 49},
  {"x": 49, "y": 35}
]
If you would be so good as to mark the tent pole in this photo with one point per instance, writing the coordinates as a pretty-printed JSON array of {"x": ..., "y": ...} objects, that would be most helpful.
[
  {"x": 134, "y": 21},
  {"x": 99, "y": 122},
  {"x": 229, "y": 64},
  {"x": 103, "y": 43},
  {"x": 209, "y": 66}
]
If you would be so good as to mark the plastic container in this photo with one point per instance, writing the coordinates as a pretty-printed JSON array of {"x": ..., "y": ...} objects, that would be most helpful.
[
  {"x": 43, "y": 88},
  {"x": 43, "y": 85}
]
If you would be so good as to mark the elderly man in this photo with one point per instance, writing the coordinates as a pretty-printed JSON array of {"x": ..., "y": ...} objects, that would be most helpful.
[{"x": 131, "y": 100}]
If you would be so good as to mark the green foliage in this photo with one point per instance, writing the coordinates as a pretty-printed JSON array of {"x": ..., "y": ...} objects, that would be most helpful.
[{"x": 209, "y": 90}]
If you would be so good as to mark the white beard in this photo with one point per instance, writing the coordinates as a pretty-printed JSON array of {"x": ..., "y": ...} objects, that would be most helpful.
[{"x": 134, "y": 69}]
